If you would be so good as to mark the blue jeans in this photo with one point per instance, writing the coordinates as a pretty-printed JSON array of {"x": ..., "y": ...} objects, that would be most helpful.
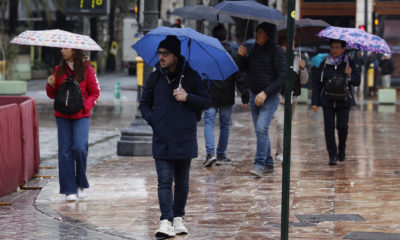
[
  {"x": 262, "y": 116},
  {"x": 224, "y": 124},
  {"x": 73, "y": 137},
  {"x": 169, "y": 171}
]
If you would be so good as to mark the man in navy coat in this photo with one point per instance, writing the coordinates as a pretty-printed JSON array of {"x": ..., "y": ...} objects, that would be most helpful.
[{"x": 171, "y": 96}]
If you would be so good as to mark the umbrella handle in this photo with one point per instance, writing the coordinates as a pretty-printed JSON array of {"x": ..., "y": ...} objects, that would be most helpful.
[{"x": 245, "y": 33}]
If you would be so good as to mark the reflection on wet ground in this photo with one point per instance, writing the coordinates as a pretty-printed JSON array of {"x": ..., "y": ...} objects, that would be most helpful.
[
  {"x": 357, "y": 196},
  {"x": 355, "y": 200}
]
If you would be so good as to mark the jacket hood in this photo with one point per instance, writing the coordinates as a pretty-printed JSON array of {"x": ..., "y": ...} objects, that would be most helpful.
[{"x": 270, "y": 30}]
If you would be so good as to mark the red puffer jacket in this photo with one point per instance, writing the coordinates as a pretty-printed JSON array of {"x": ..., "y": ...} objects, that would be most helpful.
[{"x": 89, "y": 88}]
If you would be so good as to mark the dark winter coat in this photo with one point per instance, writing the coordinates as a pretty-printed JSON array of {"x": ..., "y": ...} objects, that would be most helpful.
[
  {"x": 222, "y": 93},
  {"x": 174, "y": 123},
  {"x": 265, "y": 66},
  {"x": 319, "y": 97},
  {"x": 386, "y": 66}
]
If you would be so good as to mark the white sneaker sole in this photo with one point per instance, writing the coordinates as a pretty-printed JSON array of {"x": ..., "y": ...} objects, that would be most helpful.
[{"x": 257, "y": 174}]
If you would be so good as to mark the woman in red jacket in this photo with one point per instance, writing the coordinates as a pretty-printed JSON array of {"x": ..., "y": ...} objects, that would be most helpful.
[{"x": 73, "y": 129}]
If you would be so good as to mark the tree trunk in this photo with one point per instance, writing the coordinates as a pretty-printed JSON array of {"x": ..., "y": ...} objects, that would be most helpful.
[
  {"x": 13, "y": 19},
  {"x": 110, "y": 63}
]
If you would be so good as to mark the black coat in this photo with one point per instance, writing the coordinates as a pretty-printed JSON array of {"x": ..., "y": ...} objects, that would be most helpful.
[
  {"x": 319, "y": 97},
  {"x": 265, "y": 66},
  {"x": 386, "y": 66},
  {"x": 222, "y": 93},
  {"x": 174, "y": 123}
]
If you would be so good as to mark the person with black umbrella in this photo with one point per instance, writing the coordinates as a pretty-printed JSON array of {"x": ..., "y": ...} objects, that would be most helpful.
[
  {"x": 265, "y": 65},
  {"x": 222, "y": 95},
  {"x": 300, "y": 78}
]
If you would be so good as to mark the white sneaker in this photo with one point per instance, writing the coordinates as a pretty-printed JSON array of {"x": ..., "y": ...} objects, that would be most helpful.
[
  {"x": 166, "y": 229},
  {"x": 179, "y": 227},
  {"x": 279, "y": 157},
  {"x": 70, "y": 197},
  {"x": 82, "y": 193}
]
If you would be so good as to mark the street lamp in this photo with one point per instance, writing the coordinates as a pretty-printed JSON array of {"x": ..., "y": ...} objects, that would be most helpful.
[{"x": 136, "y": 140}]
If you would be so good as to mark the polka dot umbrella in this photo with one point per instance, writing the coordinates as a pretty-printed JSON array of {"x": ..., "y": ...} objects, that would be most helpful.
[{"x": 56, "y": 38}]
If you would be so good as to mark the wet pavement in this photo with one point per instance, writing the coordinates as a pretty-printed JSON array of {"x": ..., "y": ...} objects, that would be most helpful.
[{"x": 357, "y": 199}]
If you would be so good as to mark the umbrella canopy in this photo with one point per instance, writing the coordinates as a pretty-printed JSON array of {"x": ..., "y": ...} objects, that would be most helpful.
[
  {"x": 356, "y": 38},
  {"x": 317, "y": 59},
  {"x": 250, "y": 10},
  {"x": 305, "y": 49},
  {"x": 205, "y": 54},
  {"x": 201, "y": 12},
  {"x": 306, "y": 30},
  {"x": 56, "y": 38}
]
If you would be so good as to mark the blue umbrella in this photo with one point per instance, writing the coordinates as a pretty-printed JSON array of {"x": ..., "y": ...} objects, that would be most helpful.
[
  {"x": 317, "y": 59},
  {"x": 250, "y": 10},
  {"x": 205, "y": 54}
]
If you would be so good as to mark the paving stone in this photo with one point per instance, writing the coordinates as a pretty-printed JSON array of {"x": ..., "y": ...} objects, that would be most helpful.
[
  {"x": 372, "y": 236},
  {"x": 330, "y": 218}
]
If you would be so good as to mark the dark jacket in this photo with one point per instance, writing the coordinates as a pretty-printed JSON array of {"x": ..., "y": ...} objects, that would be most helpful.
[
  {"x": 222, "y": 93},
  {"x": 319, "y": 97},
  {"x": 386, "y": 66},
  {"x": 265, "y": 66},
  {"x": 174, "y": 123}
]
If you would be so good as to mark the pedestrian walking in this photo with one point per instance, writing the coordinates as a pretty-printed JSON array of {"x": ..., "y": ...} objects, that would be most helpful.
[
  {"x": 373, "y": 75},
  {"x": 73, "y": 128},
  {"x": 300, "y": 78},
  {"x": 172, "y": 97},
  {"x": 222, "y": 94},
  {"x": 265, "y": 65},
  {"x": 387, "y": 69},
  {"x": 333, "y": 91}
]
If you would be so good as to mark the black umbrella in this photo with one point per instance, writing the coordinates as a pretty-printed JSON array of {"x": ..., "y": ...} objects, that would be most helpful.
[
  {"x": 250, "y": 10},
  {"x": 306, "y": 30},
  {"x": 203, "y": 13}
]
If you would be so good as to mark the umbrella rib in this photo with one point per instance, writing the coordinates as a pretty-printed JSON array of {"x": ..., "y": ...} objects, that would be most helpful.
[{"x": 216, "y": 62}]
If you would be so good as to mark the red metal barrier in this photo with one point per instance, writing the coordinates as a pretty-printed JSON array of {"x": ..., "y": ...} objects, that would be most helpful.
[
  {"x": 10, "y": 148},
  {"x": 19, "y": 142}
]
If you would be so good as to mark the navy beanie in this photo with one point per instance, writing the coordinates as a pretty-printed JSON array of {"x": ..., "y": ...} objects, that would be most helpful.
[{"x": 172, "y": 44}]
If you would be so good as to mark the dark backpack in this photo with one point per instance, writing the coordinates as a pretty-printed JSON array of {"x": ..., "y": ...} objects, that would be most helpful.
[
  {"x": 68, "y": 99},
  {"x": 336, "y": 87},
  {"x": 156, "y": 75}
]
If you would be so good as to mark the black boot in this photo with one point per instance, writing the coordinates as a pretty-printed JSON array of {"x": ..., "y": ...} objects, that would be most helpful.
[
  {"x": 341, "y": 157},
  {"x": 332, "y": 160}
]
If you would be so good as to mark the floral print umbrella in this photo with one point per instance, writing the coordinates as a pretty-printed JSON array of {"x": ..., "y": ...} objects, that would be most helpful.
[
  {"x": 356, "y": 38},
  {"x": 56, "y": 38}
]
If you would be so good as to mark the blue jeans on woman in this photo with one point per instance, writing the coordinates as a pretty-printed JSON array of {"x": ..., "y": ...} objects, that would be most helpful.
[
  {"x": 168, "y": 171},
  {"x": 224, "y": 125},
  {"x": 262, "y": 116},
  {"x": 73, "y": 137}
]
